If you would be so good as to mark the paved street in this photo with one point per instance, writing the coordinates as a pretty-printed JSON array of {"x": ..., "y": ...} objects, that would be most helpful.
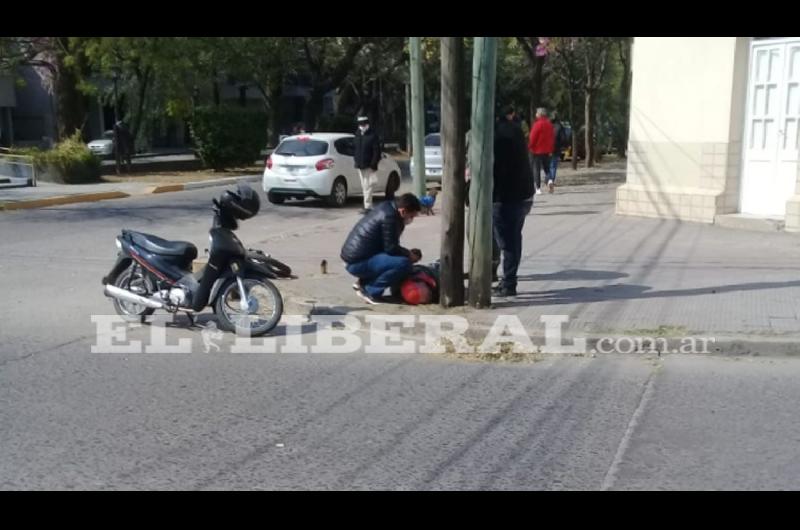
[{"x": 72, "y": 419}]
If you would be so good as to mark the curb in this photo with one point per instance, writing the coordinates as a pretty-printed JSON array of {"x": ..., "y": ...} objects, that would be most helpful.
[
  {"x": 167, "y": 188},
  {"x": 63, "y": 199},
  {"x": 724, "y": 345},
  {"x": 220, "y": 182},
  {"x": 107, "y": 195}
]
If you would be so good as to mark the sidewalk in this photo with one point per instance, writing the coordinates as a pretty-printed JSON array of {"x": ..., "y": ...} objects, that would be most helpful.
[{"x": 612, "y": 275}]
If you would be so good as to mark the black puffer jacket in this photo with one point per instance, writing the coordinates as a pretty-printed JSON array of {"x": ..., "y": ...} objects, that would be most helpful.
[
  {"x": 377, "y": 232},
  {"x": 367, "y": 150},
  {"x": 513, "y": 176}
]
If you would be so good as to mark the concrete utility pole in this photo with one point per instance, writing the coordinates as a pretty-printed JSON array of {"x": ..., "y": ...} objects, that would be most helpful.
[
  {"x": 417, "y": 115},
  {"x": 481, "y": 161}
]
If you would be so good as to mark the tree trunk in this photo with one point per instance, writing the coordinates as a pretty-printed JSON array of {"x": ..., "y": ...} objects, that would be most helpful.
[
  {"x": 589, "y": 111},
  {"x": 538, "y": 83},
  {"x": 144, "y": 83},
  {"x": 71, "y": 105},
  {"x": 275, "y": 95},
  {"x": 314, "y": 108},
  {"x": 531, "y": 109},
  {"x": 624, "y": 94},
  {"x": 574, "y": 122},
  {"x": 215, "y": 89},
  {"x": 453, "y": 184}
]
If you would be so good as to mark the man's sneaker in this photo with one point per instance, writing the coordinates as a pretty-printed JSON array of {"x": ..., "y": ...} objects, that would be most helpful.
[
  {"x": 367, "y": 298},
  {"x": 502, "y": 291},
  {"x": 357, "y": 286},
  {"x": 538, "y": 191},
  {"x": 551, "y": 186}
]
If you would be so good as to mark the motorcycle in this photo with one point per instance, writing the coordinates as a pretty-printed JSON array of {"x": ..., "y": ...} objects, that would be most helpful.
[{"x": 152, "y": 273}]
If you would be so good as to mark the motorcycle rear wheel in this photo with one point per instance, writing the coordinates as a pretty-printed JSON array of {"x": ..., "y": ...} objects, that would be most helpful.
[{"x": 141, "y": 284}]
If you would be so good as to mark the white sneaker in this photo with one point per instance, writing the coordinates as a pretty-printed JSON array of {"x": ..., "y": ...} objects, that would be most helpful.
[
  {"x": 551, "y": 186},
  {"x": 367, "y": 298},
  {"x": 538, "y": 191}
]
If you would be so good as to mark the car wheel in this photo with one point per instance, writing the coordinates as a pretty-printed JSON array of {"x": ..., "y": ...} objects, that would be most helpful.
[
  {"x": 275, "y": 199},
  {"x": 392, "y": 185},
  {"x": 338, "y": 196}
]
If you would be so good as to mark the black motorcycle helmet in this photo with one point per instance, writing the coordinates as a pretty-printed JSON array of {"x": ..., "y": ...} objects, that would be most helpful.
[{"x": 243, "y": 203}]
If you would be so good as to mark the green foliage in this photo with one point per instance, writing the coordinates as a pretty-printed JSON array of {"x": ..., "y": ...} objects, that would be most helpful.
[
  {"x": 69, "y": 162},
  {"x": 228, "y": 136},
  {"x": 337, "y": 123}
]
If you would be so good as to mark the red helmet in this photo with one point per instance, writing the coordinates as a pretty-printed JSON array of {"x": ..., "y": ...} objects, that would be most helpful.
[{"x": 415, "y": 292}]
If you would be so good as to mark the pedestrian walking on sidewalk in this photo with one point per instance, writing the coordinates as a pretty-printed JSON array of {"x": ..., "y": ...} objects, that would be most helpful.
[
  {"x": 123, "y": 145},
  {"x": 541, "y": 143},
  {"x": 367, "y": 156}
]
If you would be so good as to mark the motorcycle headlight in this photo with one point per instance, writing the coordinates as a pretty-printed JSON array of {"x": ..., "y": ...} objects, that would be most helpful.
[{"x": 119, "y": 243}]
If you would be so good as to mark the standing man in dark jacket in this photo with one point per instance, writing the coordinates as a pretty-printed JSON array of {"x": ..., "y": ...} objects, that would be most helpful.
[
  {"x": 372, "y": 251},
  {"x": 512, "y": 197},
  {"x": 367, "y": 156},
  {"x": 123, "y": 145}
]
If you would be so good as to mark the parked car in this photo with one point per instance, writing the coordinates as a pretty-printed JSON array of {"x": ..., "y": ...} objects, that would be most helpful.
[
  {"x": 321, "y": 165},
  {"x": 433, "y": 158},
  {"x": 104, "y": 146}
]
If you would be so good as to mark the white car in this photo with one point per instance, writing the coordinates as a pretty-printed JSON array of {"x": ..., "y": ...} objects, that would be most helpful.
[
  {"x": 321, "y": 165},
  {"x": 103, "y": 146},
  {"x": 433, "y": 158}
]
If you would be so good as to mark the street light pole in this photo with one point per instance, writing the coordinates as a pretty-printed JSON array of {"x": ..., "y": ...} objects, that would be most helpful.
[{"x": 116, "y": 120}]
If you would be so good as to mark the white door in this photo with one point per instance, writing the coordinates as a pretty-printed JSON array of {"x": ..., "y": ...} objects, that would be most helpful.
[
  {"x": 772, "y": 144},
  {"x": 346, "y": 149}
]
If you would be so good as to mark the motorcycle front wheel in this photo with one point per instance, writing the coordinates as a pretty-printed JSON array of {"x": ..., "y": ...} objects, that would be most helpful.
[{"x": 263, "y": 312}]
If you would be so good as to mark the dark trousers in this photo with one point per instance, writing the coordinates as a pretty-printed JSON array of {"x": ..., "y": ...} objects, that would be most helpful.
[
  {"x": 380, "y": 271},
  {"x": 540, "y": 163},
  {"x": 509, "y": 219}
]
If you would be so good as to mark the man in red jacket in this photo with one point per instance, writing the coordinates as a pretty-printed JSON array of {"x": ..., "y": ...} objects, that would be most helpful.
[{"x": 541, "y": 145}]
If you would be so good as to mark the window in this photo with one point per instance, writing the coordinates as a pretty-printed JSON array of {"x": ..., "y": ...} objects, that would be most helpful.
[
  {"x": 345, "y": 146},
  {"x": 298, "y": 147}
]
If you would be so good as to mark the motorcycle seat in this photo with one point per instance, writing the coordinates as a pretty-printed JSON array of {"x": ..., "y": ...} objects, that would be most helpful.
[{"x": 162, "y": 247}]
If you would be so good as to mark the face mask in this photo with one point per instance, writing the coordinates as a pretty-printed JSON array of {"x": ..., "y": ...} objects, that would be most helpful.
[{"x": 363, "y": 128}]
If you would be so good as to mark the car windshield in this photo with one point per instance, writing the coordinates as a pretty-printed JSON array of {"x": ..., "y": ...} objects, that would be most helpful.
[
  {"x": 433, "y": 140},
  {"x": 302, "y": 147}
]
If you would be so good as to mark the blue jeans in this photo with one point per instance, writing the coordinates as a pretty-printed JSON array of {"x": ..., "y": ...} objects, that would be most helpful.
[
  {"x": 509, "y": 218},
  {"x": 540, "y": 163},
  {"x": 554, "y": 166},
  {"x": 380, "y": 271}
]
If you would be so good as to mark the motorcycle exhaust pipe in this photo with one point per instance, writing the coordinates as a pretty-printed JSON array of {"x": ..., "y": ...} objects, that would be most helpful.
[{"x": 127, "y": 296}]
